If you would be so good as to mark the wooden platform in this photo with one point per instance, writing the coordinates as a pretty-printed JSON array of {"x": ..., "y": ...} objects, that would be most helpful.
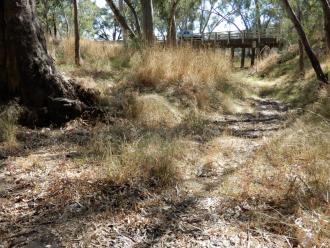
[
  {"x": 230, "y": 39},
  {"x": 255, "y": 41}
]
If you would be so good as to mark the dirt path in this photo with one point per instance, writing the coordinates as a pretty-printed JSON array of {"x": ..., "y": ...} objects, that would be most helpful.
[{"x": 47, "y": 201}]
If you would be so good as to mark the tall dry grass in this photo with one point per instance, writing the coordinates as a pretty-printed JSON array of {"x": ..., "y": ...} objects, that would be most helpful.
[
  {"x": 139, "y": 159},
  {"x": 185, "y": 66},
  {"x": 91, "y": 51},
  {"x": 187, "y": 77}
]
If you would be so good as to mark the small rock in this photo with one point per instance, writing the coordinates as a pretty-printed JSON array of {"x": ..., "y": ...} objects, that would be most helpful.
[{"x": 77, "y": 207}]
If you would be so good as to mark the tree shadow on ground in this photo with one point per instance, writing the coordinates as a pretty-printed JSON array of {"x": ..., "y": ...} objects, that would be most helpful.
[{"x": 60, "y": 205}]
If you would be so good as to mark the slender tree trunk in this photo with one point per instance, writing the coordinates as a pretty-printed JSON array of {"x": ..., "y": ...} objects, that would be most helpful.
[
  {"x": 301, "y": 45},
  {"x": 311, "y": 55},
  {"x": 121, "y": 20},
  {"x": 28, "y": 72},
  {"x": 55, "y": 26},
  {"x": 148, "y": 21},
  {"x": 114, "y": 33},
  {"x": 66, "y": 24},
  {"x": 258, "y": 20},
  {"x": 76, "y": 33},
  {"x": 136, "y": 18},
  {"x": 121, "y": 9},
  {"x": 326, "y": 16}
]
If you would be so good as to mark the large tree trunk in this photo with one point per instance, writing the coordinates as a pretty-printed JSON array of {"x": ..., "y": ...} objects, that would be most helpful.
[
  {"x": 76, "y": 33},
  {"x": 28, "y": 72},
  {"x": 148, "y": 21},
  {"x": 171, "y": 25},
  {"x": 326, "y": 15},
  {"x": 311, "y": 55}
]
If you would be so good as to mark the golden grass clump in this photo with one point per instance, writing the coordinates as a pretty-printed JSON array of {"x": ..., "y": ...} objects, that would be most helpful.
[
  {"x": 8, "y": 123},
  {"x": 322, "y": 107},
  {"x": 150, "y": 161},
  {"x": 267, "y": 63},
  {"x": 153, "y": 110},
  {"x": 184, "y": 66},
  {"x": 187, "y": 77},
  {"x": 133, "y": 158}
]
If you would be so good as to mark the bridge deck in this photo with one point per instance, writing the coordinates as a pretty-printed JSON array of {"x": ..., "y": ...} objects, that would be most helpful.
[{"x": 244, "y": 39}]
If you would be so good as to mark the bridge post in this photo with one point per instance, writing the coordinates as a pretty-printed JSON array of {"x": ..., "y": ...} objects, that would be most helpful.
[
  {"x": 243, "y": 57},
  {"x": 253, "y": 55},
  {"x": 232, "y": 55}
]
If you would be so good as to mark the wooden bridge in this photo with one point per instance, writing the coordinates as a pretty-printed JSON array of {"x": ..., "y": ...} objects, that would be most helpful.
[{"x": 244, "y": 40}]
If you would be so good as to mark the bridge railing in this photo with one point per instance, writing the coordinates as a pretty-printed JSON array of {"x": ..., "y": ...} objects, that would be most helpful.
[{"x": 233, "y": 35}]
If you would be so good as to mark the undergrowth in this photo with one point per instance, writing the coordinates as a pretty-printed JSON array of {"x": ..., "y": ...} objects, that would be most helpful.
[
  {"x": 9, "y": 115},
  {"x": 135, "y": 156}
]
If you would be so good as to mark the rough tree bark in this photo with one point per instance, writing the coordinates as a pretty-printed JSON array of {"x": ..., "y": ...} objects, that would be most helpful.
[
  {"x": 76, "y": 34},
  {"x": 311, "y": 55},
  {"x": 27, "y": 72},
  {"x": 121, "y": 19},
  {"x": 148, "y": 21},
  {"x": 326, "y": 15},
  {"x": 171, "y": 25}
]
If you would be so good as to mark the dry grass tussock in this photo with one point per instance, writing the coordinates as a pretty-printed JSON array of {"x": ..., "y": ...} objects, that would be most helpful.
[
  {"x": 153, "y": 110},
  {"x": 289, "y": 179},
  {"x": 168, "y": 82},
  {"x": 139, "y": 159},
  {"x": 9, "y": 115},
  {"x": 185, "y": 66},
  {"x": 267, "y": 63},
  {"x": 321, "y": 108}
]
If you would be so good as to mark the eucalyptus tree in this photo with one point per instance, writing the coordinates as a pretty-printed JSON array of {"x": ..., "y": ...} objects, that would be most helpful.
[
  {"x": 29, "y": 73},
  {"x": 148, "y": 21},
  {"x": 76, "y": 33},
  {"x": 300, "y": 30},
  {"x": 106, "y": 26}
]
